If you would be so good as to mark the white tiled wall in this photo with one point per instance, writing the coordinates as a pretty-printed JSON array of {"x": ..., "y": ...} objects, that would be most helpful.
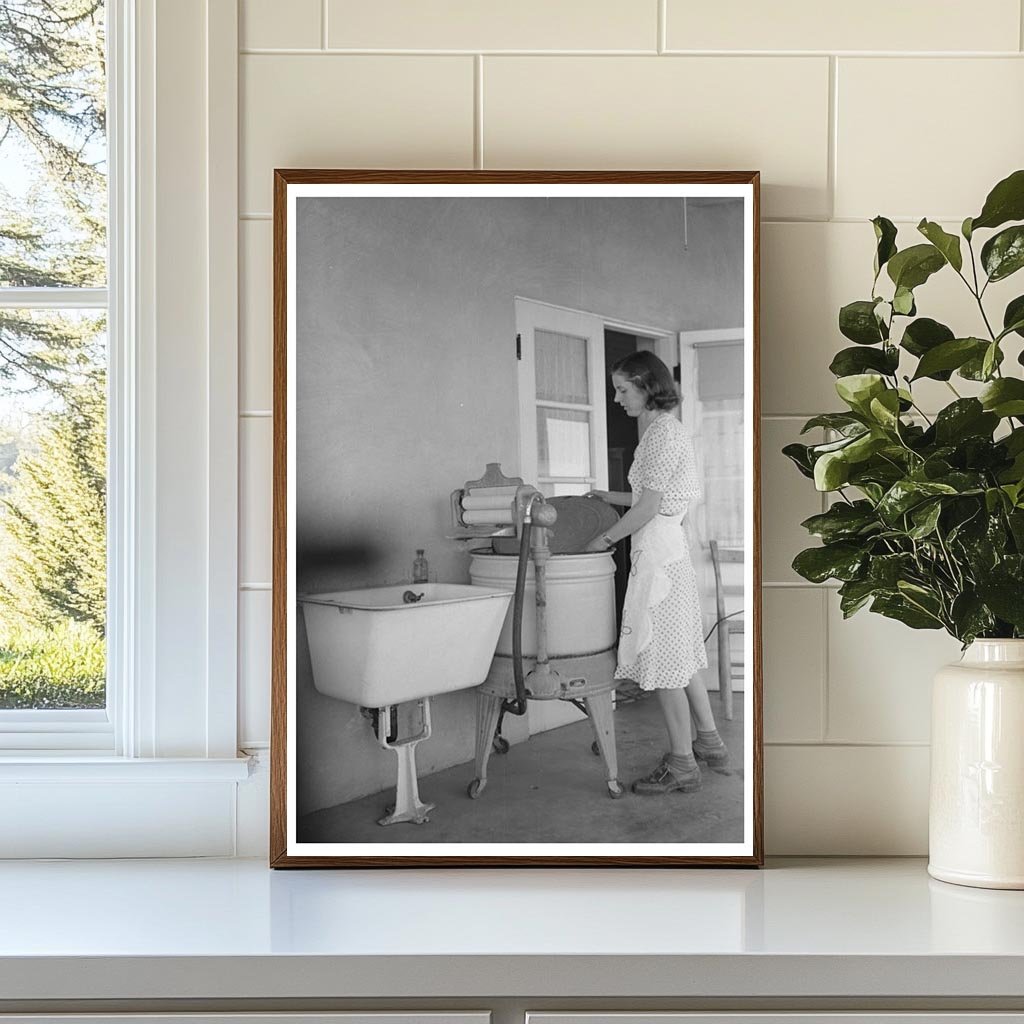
[{"x": 908, "y": 110}]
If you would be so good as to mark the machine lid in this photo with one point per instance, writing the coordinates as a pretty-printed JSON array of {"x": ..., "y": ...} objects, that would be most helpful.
[{"x": 579, "y": 520}]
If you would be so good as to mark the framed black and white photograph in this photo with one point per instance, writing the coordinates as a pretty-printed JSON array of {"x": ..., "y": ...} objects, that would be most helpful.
[{"x": 516, "y": 614}]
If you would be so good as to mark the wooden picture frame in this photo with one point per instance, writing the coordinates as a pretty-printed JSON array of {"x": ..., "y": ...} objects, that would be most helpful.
[{"x": 406, "y": 306}]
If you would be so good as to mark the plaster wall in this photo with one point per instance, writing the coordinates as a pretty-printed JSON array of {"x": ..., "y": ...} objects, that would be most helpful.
[{"x": 406, "y": 388}]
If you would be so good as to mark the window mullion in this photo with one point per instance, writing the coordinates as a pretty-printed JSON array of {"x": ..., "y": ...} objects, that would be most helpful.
[{"x": 53, "y": 298}]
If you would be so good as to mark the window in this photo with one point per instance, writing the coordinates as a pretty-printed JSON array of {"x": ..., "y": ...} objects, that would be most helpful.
[
  {"x": 53, "y": 368},
  {"x": 720, "y": 405},
  {"x": 561, "y": 394}
]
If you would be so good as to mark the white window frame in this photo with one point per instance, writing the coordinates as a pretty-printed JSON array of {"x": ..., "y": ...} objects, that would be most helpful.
[
  {"x": 72, "y": 729},
  {"x": 173, "y": 469}
]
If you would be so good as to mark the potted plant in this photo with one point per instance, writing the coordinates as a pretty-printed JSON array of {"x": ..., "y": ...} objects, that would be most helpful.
[{"x": 927, "y": 521}]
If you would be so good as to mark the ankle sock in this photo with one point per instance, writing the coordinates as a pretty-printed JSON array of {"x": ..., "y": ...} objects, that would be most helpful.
[
  {"x": 709, "y": 739},
  {"x": 682, "y": 764}
]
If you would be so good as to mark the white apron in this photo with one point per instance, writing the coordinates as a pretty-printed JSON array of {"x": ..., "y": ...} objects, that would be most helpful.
[{"x": 655, "y": 546}]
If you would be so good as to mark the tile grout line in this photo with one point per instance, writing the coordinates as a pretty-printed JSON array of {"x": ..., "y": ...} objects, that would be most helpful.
[
  {"x": 323, "y": 24},
  {"x": 832, "y": 146},
  {"x": 478, "y": 111},
  {"x": 662, "y": 26},
  {"x": 825, "y": 710},
  {"x": 851, "y": 744},
  {"x": 768, "y": 55}
]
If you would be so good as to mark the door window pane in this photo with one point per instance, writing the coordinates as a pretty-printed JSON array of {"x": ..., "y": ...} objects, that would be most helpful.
[
  {"x": 561, "y": 368},
  {"x": 563, "y": 442},
  {"x": 722, "y": 427}
]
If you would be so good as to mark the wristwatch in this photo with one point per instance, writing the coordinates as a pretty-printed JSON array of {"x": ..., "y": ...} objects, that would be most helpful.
[{"x": 607, "y": 540}]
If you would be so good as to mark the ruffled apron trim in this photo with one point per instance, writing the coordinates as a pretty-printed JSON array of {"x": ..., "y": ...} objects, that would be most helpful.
[{"x": 656, "y": 546}]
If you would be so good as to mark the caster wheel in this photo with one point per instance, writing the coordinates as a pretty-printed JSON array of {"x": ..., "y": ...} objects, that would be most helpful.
[
  {"x": 616, "y": 789},
  {"x": 475, "y": 788},
  {"x": 595, "y": 749},
  {"x": 500, "y": 745},
  {"x": 389, "y": 810}
]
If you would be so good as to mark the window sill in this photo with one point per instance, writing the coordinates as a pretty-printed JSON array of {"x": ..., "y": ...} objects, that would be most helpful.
[{"x": 75, "y": 766}]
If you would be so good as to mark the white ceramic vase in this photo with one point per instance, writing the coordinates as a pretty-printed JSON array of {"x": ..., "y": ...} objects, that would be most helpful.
[{"x": 976, "y": 813}]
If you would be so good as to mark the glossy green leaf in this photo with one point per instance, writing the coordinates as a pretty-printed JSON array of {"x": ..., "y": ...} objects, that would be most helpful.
[
  {"x": 1004, "y": 397},
  {"x": 844, "y": 422},
  {"x": 864, "y": 446},
  {"x": 911, "y": 267},
  {"x": 857, "y": 321},
  {"x": 858, "y": 389},
  {"x": 971, "y": 616},
  {"x": 843, "y": 521},
  {"x": 1005, "y": 202},
  {"x": 903, "y": 302},
  {"x": 950, "y": 355},
  {"x": 991, "y": 360},
  {"x": 885, "y": 237},
  {"x": 1005, "y": 597},
  {"x": 885, "y": 409},
  {"x": 854, "y": 594},
  {"x": 974, "y": 368},
  {"x": 907, "y": 494},
  {"x": 1013, "y": 317},
  {"x": 947, "y": 244},
  {"x": 923, "y": 335},
  {"x": 799, "y": 454},
  {"x": 886, "y": 571},
  {"x": 831, "y": 471},
  {"x": 964, "y": 418},
  {"x": 965, "y": 228},
  {"x": 840, "y": 561},
  {"x": 849, "y": 361},
  {"x": 902, "y": 610},
  {"x": 1003, "y": 254},
  {"x": 925, "y": 518}
]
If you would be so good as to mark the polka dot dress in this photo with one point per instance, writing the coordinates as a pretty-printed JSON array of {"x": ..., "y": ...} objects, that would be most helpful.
[{"x": 664, "y": 461}]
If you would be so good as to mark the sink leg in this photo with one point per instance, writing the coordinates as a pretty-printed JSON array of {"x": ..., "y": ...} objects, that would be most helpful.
[
  {"x": 408, "y": 806},
  {"x": 488, "y": 707}
]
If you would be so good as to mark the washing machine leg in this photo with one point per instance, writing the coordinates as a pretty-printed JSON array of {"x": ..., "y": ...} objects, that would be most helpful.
[
  {"x": 600, "y": 711},
  {"x": 488, "y": 708}
]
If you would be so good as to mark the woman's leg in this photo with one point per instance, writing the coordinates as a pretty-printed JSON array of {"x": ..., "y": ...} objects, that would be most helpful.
[
  {"x": 676, "y": 709},
  {"x": 678, "y": 770},
  {"x": 700, "y": 705},
  {"x": 707, "y": 744}
]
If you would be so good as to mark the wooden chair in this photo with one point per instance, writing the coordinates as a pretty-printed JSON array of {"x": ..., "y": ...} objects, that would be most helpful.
[{"x": 728, "y": 670}]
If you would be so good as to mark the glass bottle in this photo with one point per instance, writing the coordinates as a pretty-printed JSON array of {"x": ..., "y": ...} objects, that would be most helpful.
[{"x": 420, "y": 569}]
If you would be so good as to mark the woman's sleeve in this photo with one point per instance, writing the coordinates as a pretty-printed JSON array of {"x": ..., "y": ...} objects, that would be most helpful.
[
  {"x": 689, "y": 479},
  {"x": 661, "y": 456}
]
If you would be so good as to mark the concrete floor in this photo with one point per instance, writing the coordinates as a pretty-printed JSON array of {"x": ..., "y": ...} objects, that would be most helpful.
[{"x": 551, "y": 789}]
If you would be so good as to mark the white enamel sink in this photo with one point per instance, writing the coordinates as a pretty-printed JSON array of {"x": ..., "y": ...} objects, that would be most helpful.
[{"x": 369, "y": 647}]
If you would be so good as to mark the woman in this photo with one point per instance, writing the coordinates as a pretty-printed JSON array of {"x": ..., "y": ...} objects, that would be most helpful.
[{"x": 661, "y": 645}]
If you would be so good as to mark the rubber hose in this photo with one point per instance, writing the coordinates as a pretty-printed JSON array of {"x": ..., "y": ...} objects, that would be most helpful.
[{"x": 518, "y": 706}]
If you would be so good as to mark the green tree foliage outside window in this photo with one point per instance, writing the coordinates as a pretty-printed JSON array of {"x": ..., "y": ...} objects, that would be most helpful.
[{"x": 52, "y": 364}]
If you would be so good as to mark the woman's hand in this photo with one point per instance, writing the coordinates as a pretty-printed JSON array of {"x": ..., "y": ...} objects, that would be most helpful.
[
  {"x": 598, "y": 543},
  {"x": 603, "y": 495}
]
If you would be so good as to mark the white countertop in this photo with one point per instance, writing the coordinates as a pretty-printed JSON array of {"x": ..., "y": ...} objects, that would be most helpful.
[{"x": 234, "y": 929}]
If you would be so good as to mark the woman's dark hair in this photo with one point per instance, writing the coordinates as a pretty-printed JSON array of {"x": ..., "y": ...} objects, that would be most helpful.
[{"x": 649, "y": 374}]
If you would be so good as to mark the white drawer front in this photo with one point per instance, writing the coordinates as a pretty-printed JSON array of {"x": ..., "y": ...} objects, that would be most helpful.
[{"x": 790, "y": 1017}]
